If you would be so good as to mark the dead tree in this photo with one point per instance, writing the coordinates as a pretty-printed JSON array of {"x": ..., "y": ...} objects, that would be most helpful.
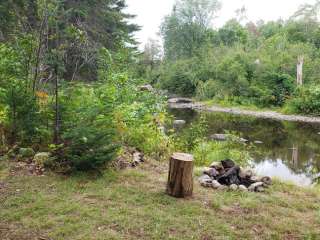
[
  {"x": 180, "y": 178},
  {"x": 300, "y": 71}
]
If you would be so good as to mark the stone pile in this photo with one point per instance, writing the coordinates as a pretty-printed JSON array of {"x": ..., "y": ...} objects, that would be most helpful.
[{"x": 227, "y": 175}]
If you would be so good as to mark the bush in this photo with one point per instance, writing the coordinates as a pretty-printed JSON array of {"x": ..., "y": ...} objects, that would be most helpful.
[
  {"x": 88, "y": 132},
  {"x": 207, "y": 152},
  {"x": 306, "y": 101},
  {"x": 179, "y": 78}
]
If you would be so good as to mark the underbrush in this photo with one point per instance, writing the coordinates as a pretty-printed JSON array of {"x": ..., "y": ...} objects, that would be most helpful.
[{"x": 194, "y": 139}]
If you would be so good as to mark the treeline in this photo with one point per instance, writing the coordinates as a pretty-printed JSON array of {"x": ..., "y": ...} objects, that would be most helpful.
[
  {"x": 67, "y": 83},
  {"x": 240, "y": 63}
]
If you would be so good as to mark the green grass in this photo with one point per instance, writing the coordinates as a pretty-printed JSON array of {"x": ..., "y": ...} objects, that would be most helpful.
[{"x": 132, "y": 204}]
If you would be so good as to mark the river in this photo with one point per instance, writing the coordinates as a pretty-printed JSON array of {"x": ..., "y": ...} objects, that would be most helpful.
[{"x": 287, "y": 150}]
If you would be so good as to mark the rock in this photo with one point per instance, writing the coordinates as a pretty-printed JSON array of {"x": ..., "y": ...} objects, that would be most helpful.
[
  {"x": 42, "y": 158},
  {"x": 211, "y": 172},
  {"x": 258, "y": 142},
  {"x": 266, "y": 180},
  {"x": 162, "y": 129},
  {"x": 255, "y": 179},
  {"x": 219, "y": 137},
  {"x": 233, "y": 187},
  {"x": 223, "y": 187},
  {"x": 253, "y": 187},
  {"x": 245, "y": 173},
  {"x": 243, "y": 140},
  {"x": 137, "y": 158},
  {"x": 260, "y": 189},
  {"x": 13, "y": 151},
  {"x": 146, "y": 88},
  {"x": 205, "y": 181},
  {"x": 243, "y": 188},
  {"x": 179, "y": 100},
  {"x": 179, "y": 123},
  {"x": 216, "y": 165},
  {"x": 216, "y": 185},
  {"x": 228, "y": 163},
  {"x": 26, "y": 152},
  {"x": 230, "y": 177}
]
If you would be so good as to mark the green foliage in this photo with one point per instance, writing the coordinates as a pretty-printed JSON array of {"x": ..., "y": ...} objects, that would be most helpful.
[
  {"x": 185, "y": 30},
  {"x": 207, "y": 152},
  {"x": 306, "y": 101},
  {"x": 189, "y": 138},
  {"x": 179, "y": 77},
  {"x": 254, "y": 64}
]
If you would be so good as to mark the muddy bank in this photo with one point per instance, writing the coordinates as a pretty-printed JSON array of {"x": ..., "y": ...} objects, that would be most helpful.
[{"x": 237, "y": 111}]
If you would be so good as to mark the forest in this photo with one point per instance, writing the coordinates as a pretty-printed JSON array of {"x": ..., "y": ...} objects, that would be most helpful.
[{"x": 80, "y": 101}]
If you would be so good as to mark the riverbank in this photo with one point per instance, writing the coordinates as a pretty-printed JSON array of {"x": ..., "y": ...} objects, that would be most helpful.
[
  {"x": 239, "y": 111},
  {"x": 132, "y": 204}
]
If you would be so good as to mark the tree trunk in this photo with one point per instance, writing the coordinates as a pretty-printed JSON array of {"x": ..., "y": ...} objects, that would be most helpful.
[
  {"x": 300, "y": 71},
  {"x": 180, "y": 178}
]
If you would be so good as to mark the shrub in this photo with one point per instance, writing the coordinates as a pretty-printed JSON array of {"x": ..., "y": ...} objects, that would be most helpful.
[
  {"x": 207, "y": 152},
  {"x": 87, "y": 130},
  {"x": 306, "y": 100},
  {"x": 179, "y": 78}
]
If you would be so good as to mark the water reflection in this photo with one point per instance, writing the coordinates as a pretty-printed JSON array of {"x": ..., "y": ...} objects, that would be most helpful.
[
  {"x": 280, "y": 170},
  {"x": 288, "y": 150}
]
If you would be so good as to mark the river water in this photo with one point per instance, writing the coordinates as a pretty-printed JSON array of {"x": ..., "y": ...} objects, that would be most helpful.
[{"x": 289, "y": 151}]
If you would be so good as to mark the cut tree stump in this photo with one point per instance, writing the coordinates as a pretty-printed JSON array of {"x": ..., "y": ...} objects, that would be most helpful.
[{"x": 180, "y": 178}]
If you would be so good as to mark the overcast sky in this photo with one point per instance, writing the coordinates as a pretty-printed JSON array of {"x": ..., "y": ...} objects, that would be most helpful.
[{"x": 151, "y": 12}]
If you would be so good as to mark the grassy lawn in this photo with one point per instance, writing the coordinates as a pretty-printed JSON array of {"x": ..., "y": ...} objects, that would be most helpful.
[{"x": 131, "y": 204}]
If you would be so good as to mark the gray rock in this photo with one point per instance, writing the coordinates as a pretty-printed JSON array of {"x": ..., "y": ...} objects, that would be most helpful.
[
  {"x": 219, "y": 137},
  {"x": 211, "y": 172},
  {"x": 179, "y": 123},
  {"x": 146, "y": 88},
  {"x": 137, "y": 158},
  {"x": 216, "y": 185},
  {"x": 260, "y": 189},
  {"x": 205, "y": 181},
  {"x": 243, "y": 140},
  {"x": 26, "y": 152},
  {"x": 179, "y": 100},
  {"x": 223, "y": 187},
  {"x": 246, "y": 173},
  {"x": 216, "y": 165},
  {"x": 255, "y": 178},
  {"x": 253, "y": 187},
  {"x": 42, "y": 158},
  {"x": 243, "y": 188},
  {"x": 266, "y": 180},
  {"x": 233, "y": 187}
]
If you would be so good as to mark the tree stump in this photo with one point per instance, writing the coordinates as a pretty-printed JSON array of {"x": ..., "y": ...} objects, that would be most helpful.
[{"x": 180, "y": 178}]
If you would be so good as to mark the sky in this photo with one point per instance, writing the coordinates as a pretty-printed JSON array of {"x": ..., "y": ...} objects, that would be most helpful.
[{"x": 150, "y": 13}]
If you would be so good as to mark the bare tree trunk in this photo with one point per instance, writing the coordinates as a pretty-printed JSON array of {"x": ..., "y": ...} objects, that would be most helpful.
[
  {"x": 56, "y": 123},
  {"x": 300, "y": 71},
  {"x": 38, "y": 53}
]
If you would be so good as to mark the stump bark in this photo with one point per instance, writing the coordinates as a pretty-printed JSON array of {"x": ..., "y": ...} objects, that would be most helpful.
[{"x": 180, "y": 178}]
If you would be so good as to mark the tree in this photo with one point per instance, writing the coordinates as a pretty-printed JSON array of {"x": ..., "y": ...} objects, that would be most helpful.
[
  {"x": 232, "y": 32},
  {"x": 184, "y": 31},
  {"x": 152, "y": 53}
]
